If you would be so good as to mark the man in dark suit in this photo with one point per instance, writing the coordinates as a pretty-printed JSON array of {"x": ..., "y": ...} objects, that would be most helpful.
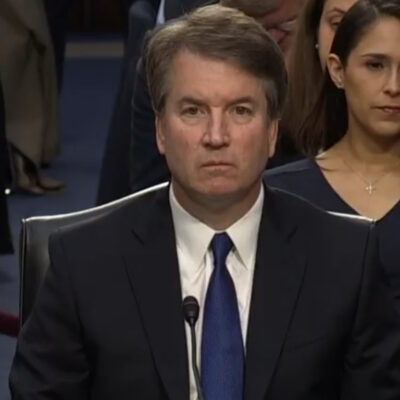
[
  {"x": 131, "y": 160},
  {"x": 292, "y": 304}
]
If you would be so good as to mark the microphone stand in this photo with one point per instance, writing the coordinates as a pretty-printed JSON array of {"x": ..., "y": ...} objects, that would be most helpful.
[{"x": 191, "y": 313}]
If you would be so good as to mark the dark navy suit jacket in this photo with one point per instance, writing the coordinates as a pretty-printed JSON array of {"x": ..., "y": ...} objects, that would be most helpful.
[{"x": 108, "y": 321}]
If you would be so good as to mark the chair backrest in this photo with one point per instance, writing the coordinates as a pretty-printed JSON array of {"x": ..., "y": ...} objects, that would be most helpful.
[
  {"x": 34, "y": 240},
  {"x": 34, "y": 253},
  {"x": 353, "y": 217}
]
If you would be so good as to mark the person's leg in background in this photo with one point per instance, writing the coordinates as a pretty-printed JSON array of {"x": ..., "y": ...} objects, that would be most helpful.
[
  {"x": 6, "y": 246},
  {"x": 9, "y": 324},
  {"x": 57, "y": 16},
  {"x": 29, "y": 80}
]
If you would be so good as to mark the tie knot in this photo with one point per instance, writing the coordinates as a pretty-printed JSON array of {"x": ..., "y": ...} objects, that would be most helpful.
[{"x": 221, "y": 245}]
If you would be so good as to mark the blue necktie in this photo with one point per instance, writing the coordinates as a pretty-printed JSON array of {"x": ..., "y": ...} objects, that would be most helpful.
[{"x": 222, "y": 352}]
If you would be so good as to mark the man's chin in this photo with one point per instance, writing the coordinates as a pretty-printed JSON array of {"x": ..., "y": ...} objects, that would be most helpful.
[
  {"x": 219, "y": 188},
  {"x": 222, "y": 193}
]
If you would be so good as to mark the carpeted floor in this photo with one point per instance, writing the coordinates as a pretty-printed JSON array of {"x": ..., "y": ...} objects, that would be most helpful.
[{"x": 86, "y": 104}]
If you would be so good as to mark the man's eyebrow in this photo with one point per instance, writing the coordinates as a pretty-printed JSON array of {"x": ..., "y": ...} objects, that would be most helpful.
[
  {"x": 199, "y": 102},
  {"x": 244, "y": 99},
  {"x": 191, "y": 100}
]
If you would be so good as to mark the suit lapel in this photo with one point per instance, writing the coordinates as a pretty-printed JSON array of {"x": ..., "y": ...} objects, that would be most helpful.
[
  {"x": 280, "y": 265},
  {"x": 152, "y": 266}
]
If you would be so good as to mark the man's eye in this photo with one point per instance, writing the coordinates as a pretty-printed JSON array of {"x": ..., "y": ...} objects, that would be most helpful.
[
  {"x": 191, "y": 111},
  {"x": 375, "y": 65},
  {"x": 242, "y": 110}
]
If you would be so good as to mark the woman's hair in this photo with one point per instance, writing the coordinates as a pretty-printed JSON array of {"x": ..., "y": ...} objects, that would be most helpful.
[
  {"x": 327, "y": 121},
  {"x": 304, "y": 67}
]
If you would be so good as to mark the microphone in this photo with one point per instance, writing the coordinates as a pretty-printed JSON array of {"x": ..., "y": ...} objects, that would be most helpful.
[{"x": 191, "y": 313}]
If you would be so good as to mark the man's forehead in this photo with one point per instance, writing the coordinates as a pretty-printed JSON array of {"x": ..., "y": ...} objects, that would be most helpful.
[
  {"x": 190, "y": 59},
  {"x": 197, "y": 77}
]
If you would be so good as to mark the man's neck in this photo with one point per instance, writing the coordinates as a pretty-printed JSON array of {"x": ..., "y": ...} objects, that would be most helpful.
[{"x": 217, "y": 212}]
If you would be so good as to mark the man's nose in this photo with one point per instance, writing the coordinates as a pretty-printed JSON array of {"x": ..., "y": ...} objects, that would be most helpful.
[{"x": 216, "y": 134}]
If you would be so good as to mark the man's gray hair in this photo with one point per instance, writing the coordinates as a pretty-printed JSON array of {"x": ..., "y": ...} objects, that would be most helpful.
[{"x": 219, "y": 33}]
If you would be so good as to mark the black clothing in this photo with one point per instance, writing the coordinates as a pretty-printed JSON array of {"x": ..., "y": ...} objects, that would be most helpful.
[
  {"x": 57, "y": 15},
  {"x": 108, "y": 321},
  {"x": 304, "y": 178},
  {"x": 114, "y": 173},
  {"x": 6, "y": 246}
]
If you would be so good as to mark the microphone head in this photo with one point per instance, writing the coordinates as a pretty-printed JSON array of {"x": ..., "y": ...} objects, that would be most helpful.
[{"x": 191, "y": 310}]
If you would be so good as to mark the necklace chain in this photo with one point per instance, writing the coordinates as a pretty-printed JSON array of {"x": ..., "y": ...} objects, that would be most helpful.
[{"x": 371, "y": 185}]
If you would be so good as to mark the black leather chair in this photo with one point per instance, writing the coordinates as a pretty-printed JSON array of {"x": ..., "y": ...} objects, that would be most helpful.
[
  {"x": 35, "y": 233},
  {"x": 34, "y": 254}
]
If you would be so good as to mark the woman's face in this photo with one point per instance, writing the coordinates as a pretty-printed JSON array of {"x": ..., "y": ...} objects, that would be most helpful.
[
  {"x": 331, "y": 16},
  {"x": 371, "y": 81}
]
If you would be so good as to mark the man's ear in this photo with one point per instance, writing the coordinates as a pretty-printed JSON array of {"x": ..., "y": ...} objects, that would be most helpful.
[
  {"x": 272, "y": 136},
  {"x": 335, "y": 70},
  {"x": 160, "y": 138}
]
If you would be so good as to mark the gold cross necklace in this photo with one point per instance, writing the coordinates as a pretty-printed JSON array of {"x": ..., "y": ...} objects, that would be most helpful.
[{"x": 371, "y": 186}]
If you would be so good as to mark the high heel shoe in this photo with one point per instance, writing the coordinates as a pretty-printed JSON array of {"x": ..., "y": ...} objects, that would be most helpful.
[
  {"x": 22, "y": 180},
  {"x": 26, "y": 177}
]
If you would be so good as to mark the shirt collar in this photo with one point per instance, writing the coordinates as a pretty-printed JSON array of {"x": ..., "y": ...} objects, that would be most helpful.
[
  {"x": 244, "y": 232},
  {"x": 194, "y": 237}
]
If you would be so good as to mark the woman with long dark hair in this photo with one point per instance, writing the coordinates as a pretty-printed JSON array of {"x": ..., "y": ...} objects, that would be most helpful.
[
  {"x": 352, "y": 134},
  {"x": 316, "y": 28}
]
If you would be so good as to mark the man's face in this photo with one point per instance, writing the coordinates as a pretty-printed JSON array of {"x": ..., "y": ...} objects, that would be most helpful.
[
  {"x": 214, "y": 131},
  {"x": 280, "y": 22}
]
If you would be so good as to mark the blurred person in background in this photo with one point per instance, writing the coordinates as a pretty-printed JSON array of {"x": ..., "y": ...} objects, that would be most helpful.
[
  {"x": 57, "y": 12},
  {"x": 316, "y": 27},
  {"x": 9, "y": 323},
  {"x": 57, "y": 16},
  {"x": 352, "y": 134},
  {"x": 278, "y": 17},
  {"x": 5, "y": 232},
  {"x": 125, "y": 7},
  {"x": 29, "y": 83}
]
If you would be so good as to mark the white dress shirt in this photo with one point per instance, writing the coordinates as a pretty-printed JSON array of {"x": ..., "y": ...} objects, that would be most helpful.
[{"x": 195, "y": 260}]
